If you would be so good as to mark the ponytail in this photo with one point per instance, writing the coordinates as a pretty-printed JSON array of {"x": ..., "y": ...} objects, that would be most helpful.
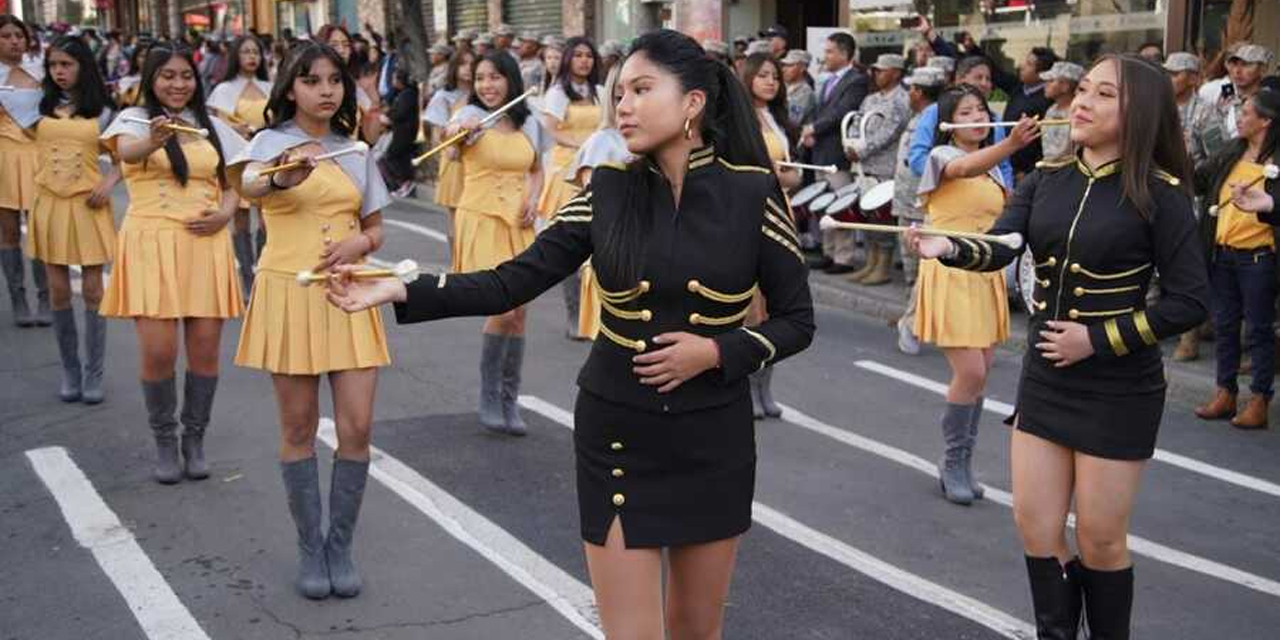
[{"x": 733, "y": 125}]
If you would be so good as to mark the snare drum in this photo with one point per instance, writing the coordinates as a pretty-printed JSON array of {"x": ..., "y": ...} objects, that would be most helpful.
[
  {"x": 877, "y": 203},
  {"x": 845, "y": 207},
  {"x": 818, "y": 205},
  {"x": 800, "y": 202}
]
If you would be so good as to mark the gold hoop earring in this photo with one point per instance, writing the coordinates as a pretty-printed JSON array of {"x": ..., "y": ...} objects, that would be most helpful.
[{"x": 688, "y": 134}]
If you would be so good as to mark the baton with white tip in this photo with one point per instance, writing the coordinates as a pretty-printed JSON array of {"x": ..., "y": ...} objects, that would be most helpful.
[
  {"x": 828, "y": 168},
  {"x": 5, "y": 87},
  {"x": 406, "y": 271},
  {"x": 358, "y": 147},
  {"x": 203, "y": 133},
  {"x": 1269, "y": 172},
  {"x": 1011, "y": 240},
  {"x": 952, "y": 126}
]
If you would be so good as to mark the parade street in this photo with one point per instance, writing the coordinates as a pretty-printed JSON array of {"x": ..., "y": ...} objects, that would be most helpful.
[{"x": 469, "y": 535}]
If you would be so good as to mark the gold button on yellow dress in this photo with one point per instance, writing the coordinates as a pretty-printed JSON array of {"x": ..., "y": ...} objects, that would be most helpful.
[
  {"x": 487, "y": 227},
  {"x": 162, "y": 270},
  {"x": 62, "y": 228},
  {"x": 293, "y": 330},
  {"x": 957, "y": 308},
  {"x": 580, "y": 121},
  {"x": 19, "y": 160}
]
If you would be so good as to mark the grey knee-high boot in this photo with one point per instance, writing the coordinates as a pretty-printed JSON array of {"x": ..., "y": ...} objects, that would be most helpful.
[
  {"x": 242, "y": 243},
  {"x": 95, "y": 352},
  {"x": 302, "y": 486},
  {"x": 512, "y": 362},
  {"x": 161, "y": 398},
  {"x": 970, "y": 443},
  {"x": 491, "y": 356},
  {"x": 955, "y": 432},
  {"x": 346, "y": 493},
  {"x": 571, "y": 288},
  {"x": 64, "y": 328},
  {"x": 197, "y": 405},
  {"x": 44, "y": 312},
  {"x": 15, "y": 276},
  {"x": 771, "y": 408}
]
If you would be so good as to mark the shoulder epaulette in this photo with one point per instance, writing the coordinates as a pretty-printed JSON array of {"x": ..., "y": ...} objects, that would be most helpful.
[
  {"x": 740, "y": 167},
  {"x": 1055, "y": 164},
  {"x": 1167, "y": 177}
]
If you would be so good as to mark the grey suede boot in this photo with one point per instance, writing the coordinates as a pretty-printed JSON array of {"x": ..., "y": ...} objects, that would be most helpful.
[
  {"x": 64, "y": 321},
  {"x": 512, "y": 362},
  {"x": 161, "y": 398},
  {"x": 491, "y": 355},
  {"x": 95, "y": 351},
  {"x": 15, "y": 276},
  {"x": 955, "y": 432},
  {"x": 757, "y": 408},
  {"x": 242, "y": 244},
  {"x": 197, "y": 404},
  {"x": 970, "y": 443},
  {"x": 44, "y": 313},
  {"x": 302, "y": 486},
  {"x": 571, "y": 288},
  {"x": 771, "y": 408},
  {"x": 346, "y": 493}
]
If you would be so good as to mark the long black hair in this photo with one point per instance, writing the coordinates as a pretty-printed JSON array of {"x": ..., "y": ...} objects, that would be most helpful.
[
  {"x": 728, "y": 121},
  {"x": 233, "y": 59},
  {"x": 157, "y": 57},
  {"x": 281, "y": 109},
  {"x": 89, "y": 94},
  {"x": 948, "y": 102},
  {"x": 506, "y": 65},
  {"x": 566, "y": 70},
  {"x": 778, "y": 105}
]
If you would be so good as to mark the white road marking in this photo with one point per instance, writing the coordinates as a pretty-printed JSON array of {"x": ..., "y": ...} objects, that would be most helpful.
[
  {"x": 416, "y": 228},
  {"x": 158, "y": 610},
  {"x": 860, "y": 561},
  {"x": 566, "y": 594},
  {"x": 1167, "y": 457},
  {"x": 1137, "y": 544}
]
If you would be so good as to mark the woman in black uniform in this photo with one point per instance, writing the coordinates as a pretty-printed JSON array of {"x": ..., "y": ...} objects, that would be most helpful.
[
  {"x": 1092, "y": 390},
  {"x": 682, "y": 239}
]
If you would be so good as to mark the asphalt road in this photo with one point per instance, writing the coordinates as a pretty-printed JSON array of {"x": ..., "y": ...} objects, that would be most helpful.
[{"x": 468, "y": 535}]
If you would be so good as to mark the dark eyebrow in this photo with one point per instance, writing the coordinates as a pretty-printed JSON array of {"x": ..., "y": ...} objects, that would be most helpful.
[{"x": 645, "y": 77}]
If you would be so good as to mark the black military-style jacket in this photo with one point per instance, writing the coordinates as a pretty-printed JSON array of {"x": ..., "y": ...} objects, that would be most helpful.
[
  {"x": 1094, "y": 257},
  {"x": 732, "y": 235}
]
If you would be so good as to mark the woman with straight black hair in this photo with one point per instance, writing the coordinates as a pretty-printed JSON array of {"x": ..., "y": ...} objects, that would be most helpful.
[
  {"x": 70, "y": 221},
  {"x": 173, "y": 261},
  {"x": 1242, "y": 263},
  {"x": 1092, "y": 388},
  {"x": 681, "y": 239}
]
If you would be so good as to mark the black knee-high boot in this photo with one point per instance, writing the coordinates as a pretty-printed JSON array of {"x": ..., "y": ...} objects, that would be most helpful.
[
  {"x": 1056, "y": 596},
  {"x": 1108, "y": 602}
]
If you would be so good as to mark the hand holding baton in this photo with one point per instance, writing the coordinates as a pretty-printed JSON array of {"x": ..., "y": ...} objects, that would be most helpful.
[
  {"x": 1011, "y": 240},
  {"x": 203, "y": 133},
  {"x": 405, "y": 271},
  {"x": 461, "y": 135},
  {"x": 829, "y": 168},
  {"x": 1269, "y": 172},
  {"x": 358, "y": 147}
]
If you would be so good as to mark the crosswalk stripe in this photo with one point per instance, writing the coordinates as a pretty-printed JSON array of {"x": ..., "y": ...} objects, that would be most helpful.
[
  {"x": 96, "y": 527},
  {"x": 416, "y": 228}
]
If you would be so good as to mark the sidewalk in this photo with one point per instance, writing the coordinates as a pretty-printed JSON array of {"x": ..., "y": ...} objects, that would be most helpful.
[{"x": 1191, "y": 382}]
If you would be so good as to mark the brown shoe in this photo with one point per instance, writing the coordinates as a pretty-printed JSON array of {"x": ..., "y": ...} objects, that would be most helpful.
[
  {"x": 873, "y": 256},
  {"x": 1254, "y": 415},
  {"x": 881, "y": 273},
  {"x": 1188, "y": 347},
  {"x": 1221, "y": 407}
]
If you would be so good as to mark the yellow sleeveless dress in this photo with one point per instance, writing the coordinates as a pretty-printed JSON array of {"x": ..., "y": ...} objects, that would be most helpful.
[
  {"x": 62, "y": 229},
  {"x": 449, "y": 175},
  {"x": 487, "y": 229},
  {"x": 19, "y": 160},
  {"x": 580, "y": 121},
  {"x": 958, "y": 308},
  {"x": 163, "y": 271},
  {"x": 249, "y": 111},
  {"x": 293, "y": 330}
]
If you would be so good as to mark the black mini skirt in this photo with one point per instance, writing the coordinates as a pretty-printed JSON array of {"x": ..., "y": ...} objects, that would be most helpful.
[{"x": 1104, "y": 425}]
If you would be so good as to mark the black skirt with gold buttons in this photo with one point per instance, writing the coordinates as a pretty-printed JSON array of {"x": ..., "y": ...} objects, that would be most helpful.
[{"x": 670, "y": 479}]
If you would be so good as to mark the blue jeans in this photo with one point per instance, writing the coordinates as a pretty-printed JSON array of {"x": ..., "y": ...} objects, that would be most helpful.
[{"x": 1244, "y": 288}]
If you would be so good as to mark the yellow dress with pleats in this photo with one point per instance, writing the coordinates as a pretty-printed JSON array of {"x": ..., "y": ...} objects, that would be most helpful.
[
  {"x": 294, "y": 330},
  {"x": 488, "y": 228},
  {"x": 958, "y": 308},
  {"x": 19, "y": 160},
  {"x": 580, "y": 121},
  {"x": 62, "y": 228},
  {"x": 449, "y": 175},
  {"x": 162, "y": 270}
]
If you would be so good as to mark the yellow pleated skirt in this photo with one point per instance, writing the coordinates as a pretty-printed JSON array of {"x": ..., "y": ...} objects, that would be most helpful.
[
  {"x": 18, "y": 165},
  {"x": 482, "y": 241},
  {"x": 961, "y": 309},
  {"x": 294, "y": 330},
  {"x": 165, "y": 272},
  {"x": 67, "y": 231},
  {"x": 555, "y": 190},
  {"x": 449, "y": 182},
  {"x": 588, "y": 303}
]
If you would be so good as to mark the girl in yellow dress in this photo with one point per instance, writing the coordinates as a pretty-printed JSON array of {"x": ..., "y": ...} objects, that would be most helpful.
[
  {"x": 502, "y": 177},
  {"x": 128, "y": 90},
  {"x": 320, "y": 215},
  {"x": 444, "y": 104},
  {"x": 240, "y": 100},
  {"x": 70, "y": 221},
  {"x": 966, "y": 313},
  {"x": 19, "y": 109},
  {"x": 173, "y": 262},
  {"x": 762, "y": 75},
  {"x": 571, "y": 112}
]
